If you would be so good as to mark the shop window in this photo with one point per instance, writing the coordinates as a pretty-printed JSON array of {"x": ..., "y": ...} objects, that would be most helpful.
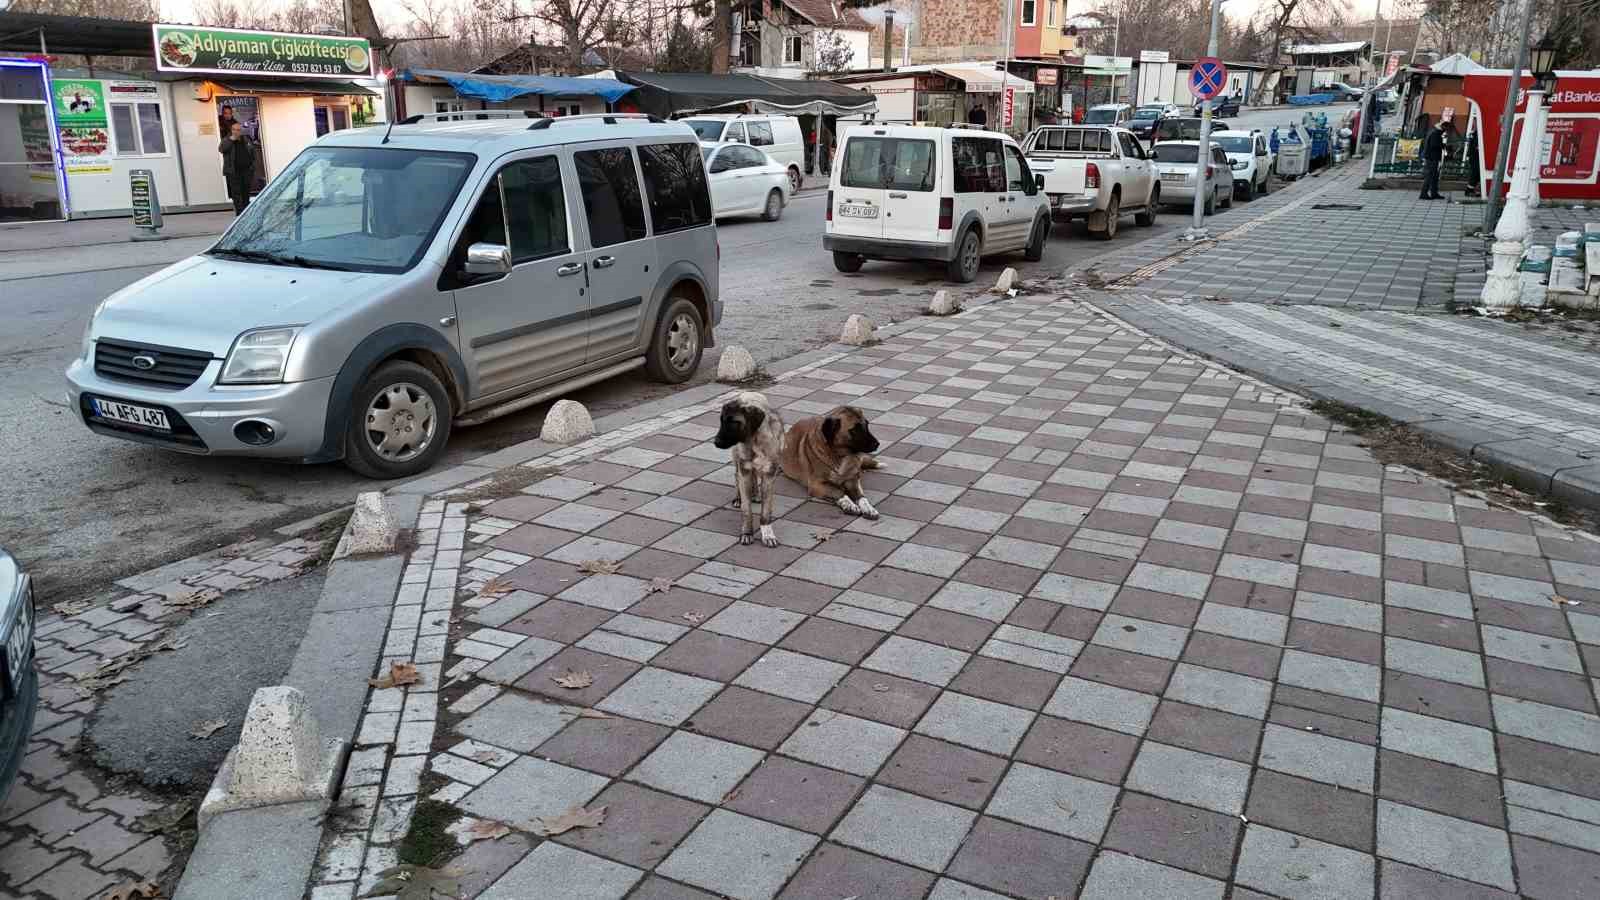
[
  {"x": 1050, "y": 13},
  {"x": 611, "y": 201},
  {"x": 794, "y": 50},
  {"x": 675, "y": 177},
  {"x": 1030, "y": 12},
  {"x": 450, "y": 106},
  {"x": 137, "y": 129}
]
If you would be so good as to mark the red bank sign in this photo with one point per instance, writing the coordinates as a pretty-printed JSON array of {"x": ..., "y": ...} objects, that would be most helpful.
[{"x": 1569, "y": 154}]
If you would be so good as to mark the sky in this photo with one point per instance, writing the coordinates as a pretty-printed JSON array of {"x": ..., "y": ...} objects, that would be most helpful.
[{"x": 391, "y": 11}]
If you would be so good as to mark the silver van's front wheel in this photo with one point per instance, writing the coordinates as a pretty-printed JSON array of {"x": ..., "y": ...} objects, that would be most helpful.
[{"x": 399, "y": 422}]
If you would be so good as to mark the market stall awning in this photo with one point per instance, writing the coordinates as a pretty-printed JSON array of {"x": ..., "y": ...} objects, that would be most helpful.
[
  {"x": 980, "y": 80},
  {"x": 671, "y": 93},
  {"x": 500, "y": 88},
  {"x": 21, "y": 33},
  {"x": 291, "y": 86}
]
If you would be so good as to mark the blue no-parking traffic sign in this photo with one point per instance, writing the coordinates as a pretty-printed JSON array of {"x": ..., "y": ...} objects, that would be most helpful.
[{"x": 1207, "y": 78}]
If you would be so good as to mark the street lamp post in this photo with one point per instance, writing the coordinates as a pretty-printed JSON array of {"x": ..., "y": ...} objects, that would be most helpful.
[
  {"x": 1202, "y": 157},
  {"x": 1503, "y": 287}
]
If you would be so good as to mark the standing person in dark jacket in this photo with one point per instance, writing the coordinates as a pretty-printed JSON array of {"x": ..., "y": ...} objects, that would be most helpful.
[
  {"x": 1434, "y": 149},
  {"x": 238, "y": 166}
]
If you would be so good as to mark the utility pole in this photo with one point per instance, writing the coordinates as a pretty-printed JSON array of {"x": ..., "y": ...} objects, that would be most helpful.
[
  {"x": 1005, "y": 63},
  {"x": 1116, "y": 44},
  {"x": 1202, "y": 156},
  {"x": 1377, "y": 13},
  {"x": 1491, "y": 206}
]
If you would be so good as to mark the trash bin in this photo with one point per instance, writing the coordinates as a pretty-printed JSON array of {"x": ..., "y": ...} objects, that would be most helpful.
[{"x": 1292, "y": 160}]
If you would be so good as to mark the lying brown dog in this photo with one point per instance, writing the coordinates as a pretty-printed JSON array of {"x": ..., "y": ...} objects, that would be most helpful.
[{"x": 827, "y": 454}]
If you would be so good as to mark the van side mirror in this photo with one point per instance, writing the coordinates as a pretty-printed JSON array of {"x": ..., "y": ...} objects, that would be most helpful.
[
  {"x": 1038, "y": 182},
  {"x": 488, "y": 259}
]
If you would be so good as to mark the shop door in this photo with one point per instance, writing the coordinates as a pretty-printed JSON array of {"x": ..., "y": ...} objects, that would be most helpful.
[{"x": 30, "y": 182}]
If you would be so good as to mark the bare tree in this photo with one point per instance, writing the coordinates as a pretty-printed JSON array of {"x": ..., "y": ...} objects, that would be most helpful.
[{"x": 127, "y": 10}]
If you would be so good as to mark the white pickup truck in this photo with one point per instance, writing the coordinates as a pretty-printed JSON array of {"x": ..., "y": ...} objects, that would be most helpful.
[{"x": 1097, "y": 173}]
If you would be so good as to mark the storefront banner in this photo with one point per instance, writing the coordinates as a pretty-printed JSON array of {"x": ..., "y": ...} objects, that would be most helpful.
[
  {"x": 184, "y": 48},
  {"x": 1569, "y": 152},
  {"x": 80, "y": 108}
]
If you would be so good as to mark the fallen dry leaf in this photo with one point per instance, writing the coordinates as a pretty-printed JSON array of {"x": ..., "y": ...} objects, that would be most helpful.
[
  {"x": 409, "y": 882},
  {"x": 881, "y": 688},
  {"x": 693, "y": 616},
  {"x": 821, "y": 534},
  {"x": 574, "y": 679},
  {"x": 495, "y": 587},
  {"x": 659, "y": 586},
  {"x": 208, "y": 728},
  {"x": 486, "y": 756},
  {"x": 487, "y": 830},
  {"x": 71, "y": 607},
  {"x": 576, "y": 817},
  {"x": 194, "y": 599},
  {"x": 1559, "y": 600},
  {"x": 164, "y": 819},
  {"x": 134, "y": 890},
  {"x": 400, "y": 673},
  {"x": 599, "y": 567}
]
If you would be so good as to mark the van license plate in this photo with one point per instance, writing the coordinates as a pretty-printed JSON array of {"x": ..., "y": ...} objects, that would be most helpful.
[
  {"x": 118, "y": 411},
  {"x": 857, "y": 211},
  {"x": 1174, "y": 176}
]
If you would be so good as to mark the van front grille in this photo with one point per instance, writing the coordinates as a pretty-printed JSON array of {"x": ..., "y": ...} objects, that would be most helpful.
[{"x": 162, "y": 367}]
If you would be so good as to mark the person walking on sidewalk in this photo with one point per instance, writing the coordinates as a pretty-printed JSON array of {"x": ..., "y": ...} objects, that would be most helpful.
[
  {"x": 1435, "y": 147},
  {"x": 238, "y": 166}
]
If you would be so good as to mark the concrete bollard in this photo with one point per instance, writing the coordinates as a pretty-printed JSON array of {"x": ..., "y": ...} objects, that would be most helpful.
[
  {"x": 280, "y": 758},
  {"x": 943, "y": 304},
  {"x": 567, "y": 422},
  {"x": 858, "y": 331},
  {"x": 735, "y": 365},
  {"x": 371, "y": 530},
  {"x": 1006, "y": 281}
]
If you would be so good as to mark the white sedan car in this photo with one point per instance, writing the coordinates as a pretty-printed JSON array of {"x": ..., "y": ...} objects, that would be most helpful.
[{"x": 745, "y": 181}]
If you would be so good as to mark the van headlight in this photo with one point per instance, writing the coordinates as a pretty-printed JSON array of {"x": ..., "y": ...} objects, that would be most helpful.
[
  {"x": 259, "y": 356},
  {"x": 88, "y": 328}
]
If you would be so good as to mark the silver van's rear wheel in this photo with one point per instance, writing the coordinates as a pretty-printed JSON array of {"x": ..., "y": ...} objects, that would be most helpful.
[{"x": 399, "y": 423}]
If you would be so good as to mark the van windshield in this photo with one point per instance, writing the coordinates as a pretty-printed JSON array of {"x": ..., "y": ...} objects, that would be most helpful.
[
  {"x": 1100, "y": 115},
  {"x": 363, "y": 209},
  {"x": 706, "y": 129},
  {"x": 895, "y": 163}
]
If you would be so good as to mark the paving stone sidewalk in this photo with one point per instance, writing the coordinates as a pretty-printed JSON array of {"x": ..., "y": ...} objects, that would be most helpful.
[
  {"x": 66, "y": 832},
  {"x": 1130, "y": 626}
]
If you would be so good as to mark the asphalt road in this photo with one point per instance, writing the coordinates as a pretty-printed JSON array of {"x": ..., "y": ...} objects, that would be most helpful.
[{"x": 82, "y": 510}]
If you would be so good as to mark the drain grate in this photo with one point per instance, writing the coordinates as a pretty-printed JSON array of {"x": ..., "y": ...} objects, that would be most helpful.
[{"x": 1335, "y": 206}]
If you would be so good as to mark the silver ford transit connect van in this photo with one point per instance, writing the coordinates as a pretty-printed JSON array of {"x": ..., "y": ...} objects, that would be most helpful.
[{"x": 393, "y": 282}]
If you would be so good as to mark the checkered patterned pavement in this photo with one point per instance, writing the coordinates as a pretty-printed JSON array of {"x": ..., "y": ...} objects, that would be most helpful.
[{"x": 1130, "y": 626}]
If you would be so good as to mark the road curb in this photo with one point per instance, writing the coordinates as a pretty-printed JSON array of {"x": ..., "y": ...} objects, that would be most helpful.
[
  {"x": 272, "y": 850},
  {"x": 1532, "y": 467}
]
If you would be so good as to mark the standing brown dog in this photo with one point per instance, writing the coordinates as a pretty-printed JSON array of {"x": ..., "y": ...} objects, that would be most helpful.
[
  {"x": 753, "y": 431},
  {"x": 827, "y": 455}
]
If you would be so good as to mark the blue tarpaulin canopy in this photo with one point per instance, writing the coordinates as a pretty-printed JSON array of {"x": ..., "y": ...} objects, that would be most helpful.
[{"x": 500, "y": 88}]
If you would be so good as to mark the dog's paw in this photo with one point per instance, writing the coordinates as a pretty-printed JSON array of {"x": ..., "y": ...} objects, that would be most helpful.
[
  {"x": 737, "y": 503},
  {"x": 745, "y": 537},
  {"x": 767, "y": 537},
  {"x": 866, "y": 508},
  {"x": 849, "y": 506}
]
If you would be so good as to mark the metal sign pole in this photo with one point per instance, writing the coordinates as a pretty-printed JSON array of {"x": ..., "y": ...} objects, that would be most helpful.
[
  {"x": 1202, "y": 156},
  {"x": 146, "y": 205}
]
